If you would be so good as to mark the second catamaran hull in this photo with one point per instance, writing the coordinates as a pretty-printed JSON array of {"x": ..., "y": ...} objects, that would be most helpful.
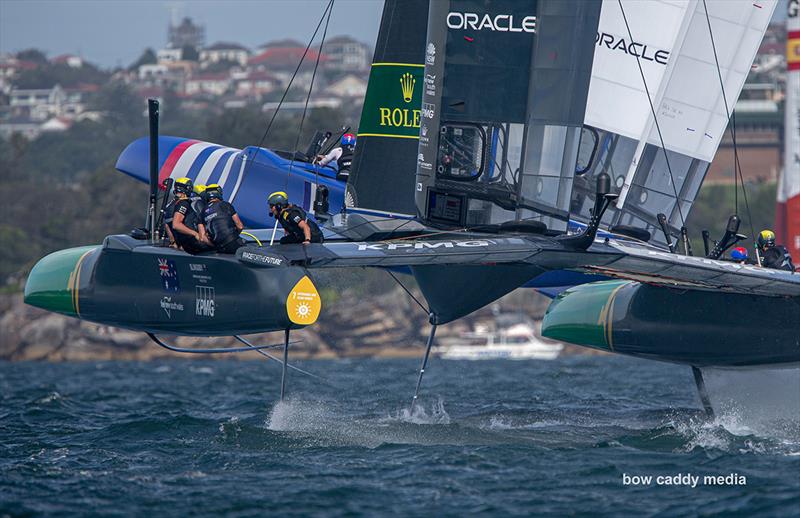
[{"x": 701, "y": 328}]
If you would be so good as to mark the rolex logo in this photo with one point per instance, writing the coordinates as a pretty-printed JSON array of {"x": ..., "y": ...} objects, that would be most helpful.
[{"x": 407, "y": 83}]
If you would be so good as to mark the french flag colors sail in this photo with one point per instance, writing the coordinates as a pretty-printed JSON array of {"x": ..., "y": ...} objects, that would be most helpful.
[
  {"x": 247, "y": 175},
  {"x": 672, "y": 42},
  {"x": 787, "y": 213}
]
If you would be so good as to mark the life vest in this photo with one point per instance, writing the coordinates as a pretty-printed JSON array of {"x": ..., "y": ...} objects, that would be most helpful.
[
  {"x": 778, "y": 258},
  {"x": 218, "y": 219},
  {"x": 344, "y": 162},
  {"x": 290, "y": 219},
  {"x": 190, "y": 219}
]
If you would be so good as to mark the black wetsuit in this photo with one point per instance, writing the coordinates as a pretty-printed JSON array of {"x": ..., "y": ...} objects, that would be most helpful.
[
  {"x": 290, "y": 219},
  {"x": 218, "y": 218},
  {"x": 344, "y": 162},
  {"x": 777, "y": 257},
  {"x": 191, "y": 219}
]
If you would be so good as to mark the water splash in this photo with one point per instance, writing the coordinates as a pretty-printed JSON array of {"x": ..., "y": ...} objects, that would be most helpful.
[
  {"x": 418, "y": 414},
  {"x": 49, "y": 398},
  {"x": 230, "y": 428}
]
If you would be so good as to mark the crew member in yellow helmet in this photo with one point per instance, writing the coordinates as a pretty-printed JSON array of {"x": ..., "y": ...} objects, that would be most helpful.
[
  {"x": 183, "y": 223},
  {"x": 221, "y": 221},
  {"x": 297, "y": 226},
  {"x": 772, "y": 255}
]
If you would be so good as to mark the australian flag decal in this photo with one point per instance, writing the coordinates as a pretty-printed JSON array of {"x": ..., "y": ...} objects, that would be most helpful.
[{"x": 169, "y": 275}]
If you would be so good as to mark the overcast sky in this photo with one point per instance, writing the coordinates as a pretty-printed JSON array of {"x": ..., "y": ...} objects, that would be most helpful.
[{"x": 115, "y": 32}]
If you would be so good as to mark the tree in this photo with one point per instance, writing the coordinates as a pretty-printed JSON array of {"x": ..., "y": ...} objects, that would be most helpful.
[
  {"x": 34, "y": 55},
  {"x": 148, "y": 57}
]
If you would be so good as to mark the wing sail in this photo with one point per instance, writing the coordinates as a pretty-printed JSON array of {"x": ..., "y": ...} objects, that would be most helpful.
[{"x": 673, "y": 44}]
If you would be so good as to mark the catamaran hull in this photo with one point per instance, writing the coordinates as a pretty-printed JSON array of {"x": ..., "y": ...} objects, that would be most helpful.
[
  {"x": 700, "y": 328},
  {"x": 127, "y": 283}
]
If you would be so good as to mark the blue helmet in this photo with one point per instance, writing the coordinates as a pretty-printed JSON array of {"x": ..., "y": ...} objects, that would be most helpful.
[
  {"x": 739, "y": 253},
  {"x": 348, "y": 139}
]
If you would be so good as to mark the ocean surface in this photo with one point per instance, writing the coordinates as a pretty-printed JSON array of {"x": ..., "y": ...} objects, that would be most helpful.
[{"x": 184, "y": 437}]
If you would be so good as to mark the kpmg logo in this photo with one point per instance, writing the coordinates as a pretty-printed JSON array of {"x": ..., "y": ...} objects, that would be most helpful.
[
  {"x": 205, "y": 303},
  {"x": 428, "y": 111},
  {"x": 633, "y": 49},
  {"x": 407, "y": 83},
  {"x": 426, "y": 245},
  {"x": 497, "y": 23}
]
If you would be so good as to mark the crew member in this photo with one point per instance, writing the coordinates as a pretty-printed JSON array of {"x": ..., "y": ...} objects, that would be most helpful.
[
  {"x": 198, "y": 199},
  {"x": 772, "y": 255},
  {"x": 739, "y": 255},
  {"x": 343, "y": 156},
  {"x": 222, "y": 223},
  {"x": 184, "y": 224},
  {"x": 297, "y": 226}
]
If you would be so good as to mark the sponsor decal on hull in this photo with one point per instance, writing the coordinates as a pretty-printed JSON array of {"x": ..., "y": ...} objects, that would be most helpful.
[
  {"x": 303, "y": 305},
  {"x": 169, "y": 306},
  {"x": 205, "y": 303},
  {"x": 425, "y": 245}
]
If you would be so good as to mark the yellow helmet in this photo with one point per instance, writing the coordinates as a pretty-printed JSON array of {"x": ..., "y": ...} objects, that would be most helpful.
[
  {"x": 199, "y": 188},
  {"x": 766, "y": 238},
  {"x": 183, "y": 185},
  {"x": 213, "y": 190},
  {"x": 278, "y": 199}
]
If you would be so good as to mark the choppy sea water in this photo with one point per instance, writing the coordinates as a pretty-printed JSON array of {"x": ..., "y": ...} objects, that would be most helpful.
[{"x": 491, "y": 437}]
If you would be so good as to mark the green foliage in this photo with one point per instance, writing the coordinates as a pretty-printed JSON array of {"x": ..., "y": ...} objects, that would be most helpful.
[
  {"x": 48, "y": 75},
  {"x": 148, "y": 57},
  {"x": 715, "y": 203},
  {"x": 34, "y": 55}
]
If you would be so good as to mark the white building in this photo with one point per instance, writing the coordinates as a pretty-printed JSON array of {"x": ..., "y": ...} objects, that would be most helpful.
[
  {"x": 349, "y": 86},
  {"x": 224, "y": 51},
  {"x": 70, "y": 60},
  {"x": 214, "y": 84},
  {"x": 169, "y": 55},
  {"x": 346, "y": 55},
  {"x": 152, "y": 72}
]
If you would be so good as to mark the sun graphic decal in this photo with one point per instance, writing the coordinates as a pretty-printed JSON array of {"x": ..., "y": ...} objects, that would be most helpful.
[
  {"x": 303, "y": 310},
  {"x": 303, "y": 304}
]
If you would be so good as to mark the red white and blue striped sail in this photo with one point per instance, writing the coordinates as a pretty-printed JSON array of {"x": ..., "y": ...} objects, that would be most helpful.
[{"x": 247, "y": 176}]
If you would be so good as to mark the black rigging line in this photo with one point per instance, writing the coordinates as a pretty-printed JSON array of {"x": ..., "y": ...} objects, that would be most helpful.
[
  {"x": 329, "y": 10},
  {"x": 737, "y": 168},
  {"x": 655, "y": 119},
  {"x": 296, "y": 70},
  {"x": 426, "y": 310}
]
